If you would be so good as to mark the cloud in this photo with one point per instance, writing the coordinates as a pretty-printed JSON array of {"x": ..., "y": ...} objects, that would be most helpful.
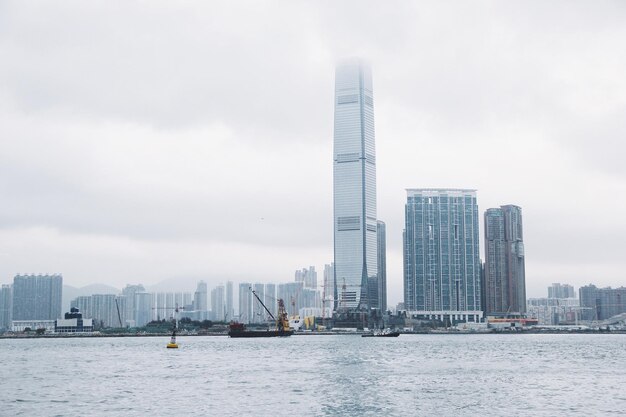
[{"x": 196, "y": 139}]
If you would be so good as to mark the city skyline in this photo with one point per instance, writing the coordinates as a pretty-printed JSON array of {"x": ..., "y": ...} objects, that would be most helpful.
[{"x": 154, "y": 162}]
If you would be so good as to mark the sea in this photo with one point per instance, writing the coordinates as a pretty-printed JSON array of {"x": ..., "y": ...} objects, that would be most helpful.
[{"x": 316, "y": 375}]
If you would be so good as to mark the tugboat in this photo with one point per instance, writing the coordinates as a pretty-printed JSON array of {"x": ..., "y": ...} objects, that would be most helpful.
[
  {"x": 383, "y": 333},
  {"x": 282, "y": 324}
]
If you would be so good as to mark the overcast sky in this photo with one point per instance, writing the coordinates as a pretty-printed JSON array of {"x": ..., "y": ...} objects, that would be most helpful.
[{"x": 143, "y": 142}]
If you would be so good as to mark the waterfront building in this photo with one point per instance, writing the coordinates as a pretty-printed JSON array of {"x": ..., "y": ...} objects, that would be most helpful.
[
  {"x": 245, "y": 303},
  {"x": 601, "y": 303},
  {"x": 554, "y": 311},
  {"x": 6, "y": 306},
  {"x": 381, "y": 240},
  {"x": 441, "y": 254},
  {"x": 73, "y": 323},
  {"x": 37, "y": 297},
  {"x": 504, "y": 275},
  {"x": 354, "y": 186},
  {"x": 218, "y": 308},
  {"x": 270, "y": 298},
  {"x": 230, "y": 310},
  {"x": 200, "y": 299},
  {"x": 32, "y": 325},
  {"x": 558, "y": 290}
]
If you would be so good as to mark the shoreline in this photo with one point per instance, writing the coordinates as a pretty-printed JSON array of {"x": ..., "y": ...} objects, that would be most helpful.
[{"x": 325, "y": 333}]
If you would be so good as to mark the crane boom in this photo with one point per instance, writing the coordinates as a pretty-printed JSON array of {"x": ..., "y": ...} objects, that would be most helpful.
[
  {"x": 119, "y": 316},
  {"x": 257, "y": 297}
]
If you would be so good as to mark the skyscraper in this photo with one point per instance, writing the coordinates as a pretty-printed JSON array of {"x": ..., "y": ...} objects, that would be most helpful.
[
  {"x": 217, "y": 303},
  {"x": 382, "y": 265},
  {"x": 144, "y": 308},
  {"x": 6, "y": 306},
  {"x": 270, "y": 298},
  {"x": 245, "y": 303},
  {"x": 258, "y": 312},
  {"x": 558, "y": 290},
  {"x": 328, "y": 291},
  {"x": 441, "y": 254},
  {"x": 129, "y": 291},
  {"x": 308, "y": 276},
  {"x": 200, "y": 299},
  {"x": 37, "y": 297},
  {"x": 354, "y": 181},
  {"x": 230, "y": 311},
  {"x": 505, "y": 283},
  {"x": 602, "y": 303}
]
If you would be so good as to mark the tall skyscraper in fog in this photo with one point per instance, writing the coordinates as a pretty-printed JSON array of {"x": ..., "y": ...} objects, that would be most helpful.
[
  {"x": 505, "y": 282},
  {"x": 354, "y": 181},
  {"x": 441, "y": 258}
]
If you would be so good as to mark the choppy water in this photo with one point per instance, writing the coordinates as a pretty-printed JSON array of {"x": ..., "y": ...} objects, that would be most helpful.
[{"x": 427, "y": 375}]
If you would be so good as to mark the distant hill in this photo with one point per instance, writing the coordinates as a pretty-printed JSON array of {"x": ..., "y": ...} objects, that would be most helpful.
[{"x": 69, "y": 293}]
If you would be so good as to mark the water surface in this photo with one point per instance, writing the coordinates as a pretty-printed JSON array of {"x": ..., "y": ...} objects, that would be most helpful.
[{"x": 421, "y": 375}]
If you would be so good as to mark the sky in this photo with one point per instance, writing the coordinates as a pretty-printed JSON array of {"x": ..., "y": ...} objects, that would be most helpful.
[{"x": 166, "y": 142}]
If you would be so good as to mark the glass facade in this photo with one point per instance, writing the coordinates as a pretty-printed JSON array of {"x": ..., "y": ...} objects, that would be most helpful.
[
  {"x": 441, "y": 253},
  {"x": 354, "y": 176}
]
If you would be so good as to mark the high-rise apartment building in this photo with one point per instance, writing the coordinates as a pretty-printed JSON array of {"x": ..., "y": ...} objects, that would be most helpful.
[
  {"x": 200, "y": 299},
  {"x": 504, "y": 276},
  {"x": 106, "y": 310},
  {"x": 601, "y": 303},
  {"x": 441, "y": 253},
  {"x": 270, "y": 298},
  {"x": 354, "y": 182},
  {"x": 6, "y": 306},
  {"x": 245, "y": 303},
  {"x": 144, "y": 308},
  {"x": 129, "y": 291},
  {"x": 558, "y": 290},
  {"x": 258, "y": 312},
  {"x": 230, "y": 309},
  {"x": 37, "y": 297},
  {"x": 329, "y": 286},
  {"x": 307, "y": 276},
  {"x": 218, "y": 306}
]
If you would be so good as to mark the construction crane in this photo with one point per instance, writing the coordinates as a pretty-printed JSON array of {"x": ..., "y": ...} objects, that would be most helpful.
[{"x": 119, "y": 316}]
